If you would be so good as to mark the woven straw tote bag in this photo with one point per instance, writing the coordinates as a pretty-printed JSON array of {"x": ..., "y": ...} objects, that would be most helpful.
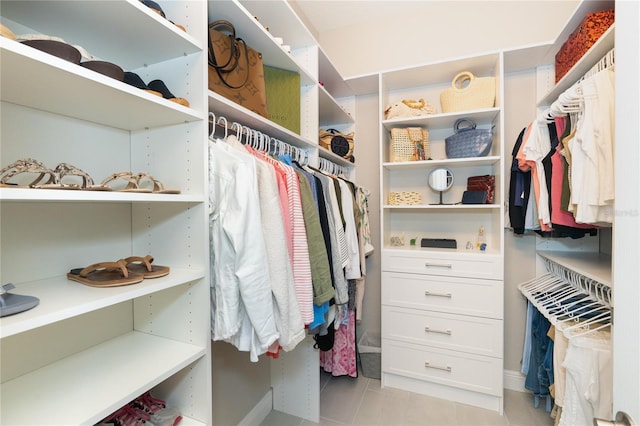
[
  {"x": 409, "y": 144},
  {"x": 478, "y": 93}
]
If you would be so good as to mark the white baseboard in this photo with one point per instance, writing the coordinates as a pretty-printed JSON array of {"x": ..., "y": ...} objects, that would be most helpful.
[
  {"x": 514, "y": 380},
  {"x": 260, "y": 411}
]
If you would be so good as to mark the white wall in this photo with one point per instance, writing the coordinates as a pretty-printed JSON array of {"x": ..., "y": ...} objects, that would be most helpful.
[
  {"x": 423, "y": 31},
  {"x": 368, "y": 174}
]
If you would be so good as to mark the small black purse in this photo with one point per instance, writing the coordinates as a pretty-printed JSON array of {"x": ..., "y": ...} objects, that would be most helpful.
[{"x": 474, "y": 197}]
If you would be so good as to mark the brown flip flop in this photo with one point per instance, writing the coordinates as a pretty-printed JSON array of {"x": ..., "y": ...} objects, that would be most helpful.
[
  {"x": 105, "y": 274},
  {"x": 143, "y": 266}
]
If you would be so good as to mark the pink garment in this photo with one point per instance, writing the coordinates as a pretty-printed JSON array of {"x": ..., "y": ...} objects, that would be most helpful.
[
  {"x": 341, "y": 360},
  {"x": 559, "y": 216},
  {"x": 296, "y": 235},
  {"x": 282, "y": 191}
]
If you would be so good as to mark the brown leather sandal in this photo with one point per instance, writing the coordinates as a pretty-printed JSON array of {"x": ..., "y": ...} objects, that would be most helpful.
[
  {"x": 105, "y": 274},
  {"x": 142, "y": 265}
]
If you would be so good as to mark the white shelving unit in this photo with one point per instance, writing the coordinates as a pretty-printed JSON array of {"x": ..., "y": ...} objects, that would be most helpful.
[
  {"x": 593, "y": 258},
  {"x": 411, "y": 83},
  {"x": 294, "y": 376},
  {"x": 84, "y": 352},
  {"x": 427, "y": 345},
  {"x": 319, "y": 106}
]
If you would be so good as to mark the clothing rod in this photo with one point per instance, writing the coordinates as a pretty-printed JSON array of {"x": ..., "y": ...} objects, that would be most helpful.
[
  {"x": 569, "y": 100},
  {"x": 599, "y": 291},
  {"x": 572, "y": 302},
  {"x": 607, "y": 61},
  {"x": 256, "y": 139},
  {"x": 263, "y": 142}
]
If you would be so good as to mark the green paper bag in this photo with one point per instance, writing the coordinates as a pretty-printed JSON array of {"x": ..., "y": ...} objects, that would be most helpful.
[{"x": 283, "y": 97}]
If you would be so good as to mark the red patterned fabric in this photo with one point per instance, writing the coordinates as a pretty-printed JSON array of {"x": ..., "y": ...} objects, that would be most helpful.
[{"x": 341, "y": 360}]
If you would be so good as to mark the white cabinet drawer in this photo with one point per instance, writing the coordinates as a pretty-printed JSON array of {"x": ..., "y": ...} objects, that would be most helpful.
[
  {"x": 482, "y": 336},
  {"x": 458, "y": 369},
  {"x": 455, "y": 264},
  {"x": 445, "y": 294}
]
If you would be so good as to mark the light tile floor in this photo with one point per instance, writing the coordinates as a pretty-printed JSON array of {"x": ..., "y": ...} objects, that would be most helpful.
[{"x": 361, "y": 401}]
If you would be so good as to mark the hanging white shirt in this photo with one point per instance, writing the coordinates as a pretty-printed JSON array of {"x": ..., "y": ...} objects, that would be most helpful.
[{"x": 241, "y": 293}]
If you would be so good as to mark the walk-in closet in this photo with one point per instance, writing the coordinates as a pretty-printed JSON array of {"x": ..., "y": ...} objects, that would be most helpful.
[{"x": 418, "y": 212}]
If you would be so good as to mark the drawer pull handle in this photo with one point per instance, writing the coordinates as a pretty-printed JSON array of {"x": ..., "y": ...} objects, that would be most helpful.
[
  {"x": 427, "y": 364},
  {"x": 432, "y": 330},
  {"x": 438, "y": 265},
  {"x": 428, "y": 293}
]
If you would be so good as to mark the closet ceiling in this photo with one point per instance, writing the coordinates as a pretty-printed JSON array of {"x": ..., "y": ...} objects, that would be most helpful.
[{"x": 328, "y": 15}]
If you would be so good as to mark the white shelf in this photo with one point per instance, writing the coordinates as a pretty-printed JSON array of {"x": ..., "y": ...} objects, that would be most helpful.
[
  {"x": 29, "y": 194},
  {"x": 441, "y": 72},
  {"x": 527, "y": 57},
  {"x": 105, "y": 27},
  {"x": 331, "y": 78},
  {"x": 445, "y": 120},
  {"x": 282, "y": 21},
  {"x": 86, "y": 387},
  {"x": 364, "y": 84},
  {"x": 331, "y": 113},
  {"x": 459, "y": 253},
  {"x": 583, "y": 9},
  {"x": 596, "y": 266},
  {"x": 325, "y": 153},
  {"x": 586, "y": 62},
  {"x": 532, "y": 56},
  {"x": 61, "y": 298},
  {"x": 62, "y": 362},
  {"x": 41, "y": 81},
  {"x": 450, "y": 162},
  {"x": 26, "y": 194},
  {"x": 427, "y": 207},
  {"x": 223, "y": 107}
]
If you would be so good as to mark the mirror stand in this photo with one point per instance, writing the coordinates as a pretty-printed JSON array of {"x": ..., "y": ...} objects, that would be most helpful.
[{"x": 440, "y": 180}]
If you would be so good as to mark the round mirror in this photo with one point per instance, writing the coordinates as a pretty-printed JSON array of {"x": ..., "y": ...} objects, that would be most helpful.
[{"x": 440, "y": 180}]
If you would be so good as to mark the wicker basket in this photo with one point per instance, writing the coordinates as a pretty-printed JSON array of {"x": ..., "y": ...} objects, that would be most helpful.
[
  {"x": 592, "y": 27},
  {"x": 479, "y": 93},
  {"x": 409, "y": 144},
  {"x": 404, "y": 198}
]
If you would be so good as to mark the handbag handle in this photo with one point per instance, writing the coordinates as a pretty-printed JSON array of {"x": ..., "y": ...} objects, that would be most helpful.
[
  {"x": 412, "y": 103},
  {"x": 460, "y": 79},
  {"x": 470, "y": 125},
  {"x": 233, "y": 54},
  {"x": 415, "y": 140},
  {"x": 223, "y": 26}
]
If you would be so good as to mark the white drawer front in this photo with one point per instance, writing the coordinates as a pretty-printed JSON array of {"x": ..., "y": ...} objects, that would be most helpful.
[
  {"x": 454, "y": 264},
  {"x": 445, "y": 294},
  {"x": 482, "y": 336},
  {"x": 458, "y": 369}
]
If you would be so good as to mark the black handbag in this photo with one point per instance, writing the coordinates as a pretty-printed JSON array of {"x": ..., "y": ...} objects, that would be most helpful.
[
  {"x": 467, "y": 141},
  {"x": 474, "y": 197},
  {"x": 339, "y": 143}
]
